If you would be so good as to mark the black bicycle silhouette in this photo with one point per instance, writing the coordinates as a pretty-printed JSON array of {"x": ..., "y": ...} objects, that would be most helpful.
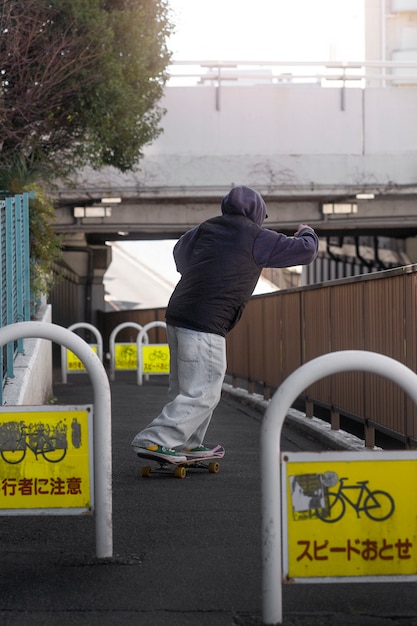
[
  {"x": 52, "y": 447},
  {"x": 377, "y": 505}
]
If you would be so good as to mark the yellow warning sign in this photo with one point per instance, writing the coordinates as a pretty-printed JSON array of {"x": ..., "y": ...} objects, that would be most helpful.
[
  {"x": 126, "y": 356},
  {"x": 73, "y": 362},
  {"x": 45, "y": 458},
  {"x": 352, "y": 517},
  {"x": 155, "y": 358}
]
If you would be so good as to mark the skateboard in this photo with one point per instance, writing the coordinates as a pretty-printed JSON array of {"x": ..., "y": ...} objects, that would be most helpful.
[{"x": 179, "y": 470}]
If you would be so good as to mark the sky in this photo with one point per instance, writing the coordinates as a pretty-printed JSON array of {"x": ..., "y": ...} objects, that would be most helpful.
[{"x": 267, "y": 30}]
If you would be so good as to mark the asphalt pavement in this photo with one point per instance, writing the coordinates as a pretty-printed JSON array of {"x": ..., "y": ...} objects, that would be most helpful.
[{"x": 186, "y": 551}]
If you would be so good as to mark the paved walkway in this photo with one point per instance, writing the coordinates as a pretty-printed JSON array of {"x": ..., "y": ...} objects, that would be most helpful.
[{"x": 186, "y": 552}]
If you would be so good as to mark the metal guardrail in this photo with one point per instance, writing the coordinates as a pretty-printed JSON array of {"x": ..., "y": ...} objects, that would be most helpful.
[
  {"x": 372, "y": 312},
  {"x": 321, "y": 73},
  {"x": 15, "y": 272}
]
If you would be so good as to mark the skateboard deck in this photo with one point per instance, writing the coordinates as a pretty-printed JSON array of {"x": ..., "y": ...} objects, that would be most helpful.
[{"x": 210, "y": 463}]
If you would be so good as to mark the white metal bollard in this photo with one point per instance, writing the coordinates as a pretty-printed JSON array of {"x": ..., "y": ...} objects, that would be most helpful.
[
  {"x": 99, "y": 341},
  {"x": 102, "y": 418},
  {"x": 143, "y": 337},
  {"x": 290, "y": 389},
  {"x": 112, "y": 341}
]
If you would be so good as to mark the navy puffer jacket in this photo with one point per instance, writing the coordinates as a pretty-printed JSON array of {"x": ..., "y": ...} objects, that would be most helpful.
[{"x": 220, "y": 262}]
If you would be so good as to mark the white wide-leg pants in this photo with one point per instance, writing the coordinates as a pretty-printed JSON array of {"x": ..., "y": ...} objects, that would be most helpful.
[{"x": 198, "y": 367}]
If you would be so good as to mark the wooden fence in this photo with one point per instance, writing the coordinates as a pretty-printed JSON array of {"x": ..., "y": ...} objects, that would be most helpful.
[{"x": 279, "y": 332}]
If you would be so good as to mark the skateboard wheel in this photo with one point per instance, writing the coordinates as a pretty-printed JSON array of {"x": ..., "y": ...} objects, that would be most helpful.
[
  {"x": 180, "y": 472},
  {"x": 146, "y": 470},
  {"x": 214, "y": 467}
]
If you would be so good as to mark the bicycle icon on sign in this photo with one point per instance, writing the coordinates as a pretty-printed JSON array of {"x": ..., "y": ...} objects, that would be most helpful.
[
  {"x": 160, "y": 355},
  {"x": 377, "y": 505},
  {"x": 17, "y": 438}
]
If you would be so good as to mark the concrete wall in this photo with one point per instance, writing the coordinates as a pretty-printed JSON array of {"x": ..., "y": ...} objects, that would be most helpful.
[
  {"x": 32, "y": 383},
  {"x": 294, "y": 140}
]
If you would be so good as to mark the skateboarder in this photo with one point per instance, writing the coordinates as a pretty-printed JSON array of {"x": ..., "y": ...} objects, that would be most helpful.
[{"x": 220, "y": 262}]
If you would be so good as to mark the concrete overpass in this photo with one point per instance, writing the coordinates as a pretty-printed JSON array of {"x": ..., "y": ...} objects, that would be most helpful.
[
  {"x": 331, "y": 145},
  {"x": 308, "y": 145}
]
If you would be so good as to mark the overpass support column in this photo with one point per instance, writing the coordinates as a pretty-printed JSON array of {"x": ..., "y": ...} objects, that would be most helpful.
[
  {"x": 411, "y": 248},
  {"x": 80, "y": 293}
]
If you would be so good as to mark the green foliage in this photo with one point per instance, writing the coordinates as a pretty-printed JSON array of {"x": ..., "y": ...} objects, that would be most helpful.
[
  {"x": 123, "y": 105},
  {"x": 45, "y": 244},
  {"x": 81, "y": 81}
]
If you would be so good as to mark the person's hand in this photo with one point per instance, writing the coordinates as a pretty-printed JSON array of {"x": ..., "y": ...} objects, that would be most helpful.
[{"x": 300, "y": 228}]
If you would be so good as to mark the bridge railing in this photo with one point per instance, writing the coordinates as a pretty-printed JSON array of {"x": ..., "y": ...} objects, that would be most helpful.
[
  {"x": 279, "y": 332},
  {"x": 321, "y": 73},
  {"x": 15, "y": 272},
  {"x": 376, "y": 312}
]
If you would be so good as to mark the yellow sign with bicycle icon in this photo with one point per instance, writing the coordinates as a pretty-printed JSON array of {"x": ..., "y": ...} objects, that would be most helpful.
[
  {"x": 349, "y": 514},
  {"x": 45, "y": 459},
  {"x": 126, "y": 356},
  {"x": 155, "y": 358}
]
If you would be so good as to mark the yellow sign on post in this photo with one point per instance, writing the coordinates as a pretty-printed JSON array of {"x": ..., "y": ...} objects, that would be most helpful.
[
  {"x": 349, "y": 514},
  {"x": 74, "y": 364},
  {"x": 126, "y": 356},
  {"x": 155, "y": 358},
  {"x": 45, "y": 459}
]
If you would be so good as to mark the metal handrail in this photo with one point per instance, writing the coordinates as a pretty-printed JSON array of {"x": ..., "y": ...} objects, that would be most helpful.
[
  {"x": 385, "y": 72},
  {"x": 15, "y": 272}
]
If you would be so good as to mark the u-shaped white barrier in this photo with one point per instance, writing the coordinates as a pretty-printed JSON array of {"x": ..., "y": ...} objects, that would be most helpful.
[
  {"x": 99, "y": 341},
  {"x": 143, "y": 336},
  {"x": 102, "y": 418},
  {"x": 112, "y": 343},
  {"x": 290, "y": 389}
]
